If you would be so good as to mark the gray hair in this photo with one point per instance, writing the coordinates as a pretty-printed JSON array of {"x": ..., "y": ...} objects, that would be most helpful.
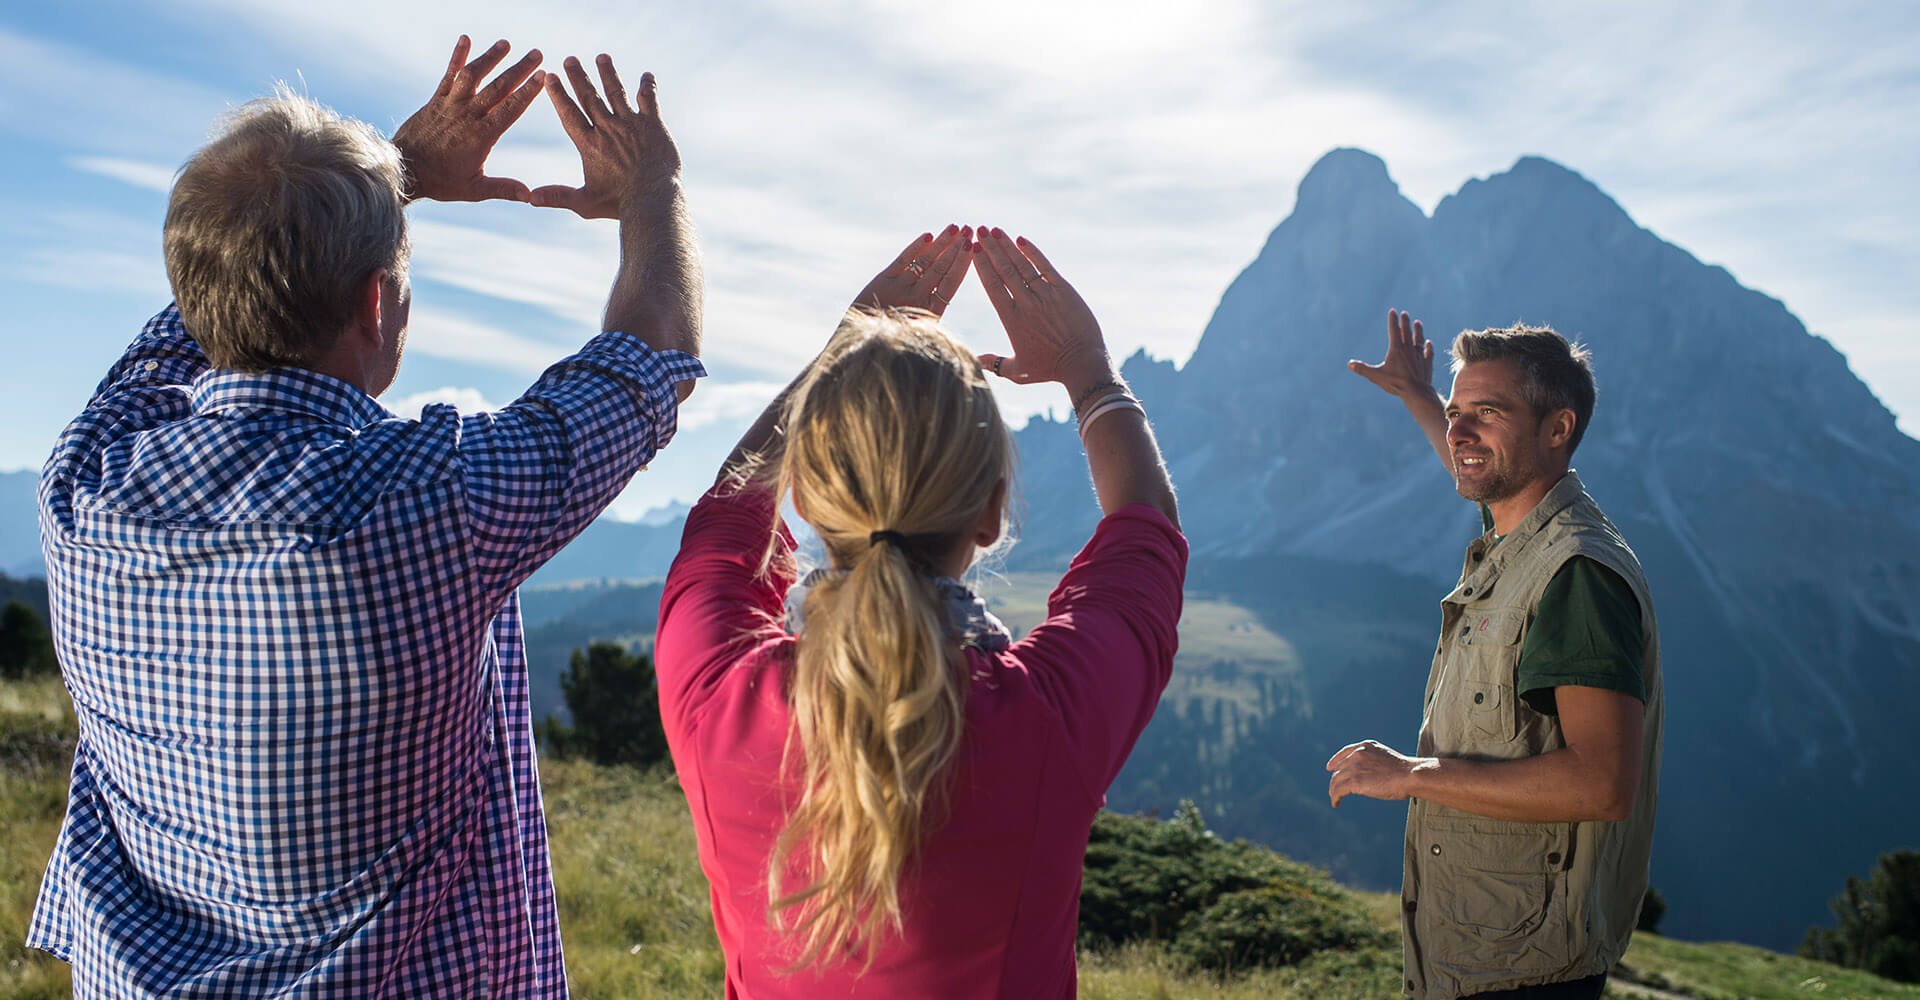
[
  {"x": 1558, "y": 373},
  {"x": 274, "y": 226}
]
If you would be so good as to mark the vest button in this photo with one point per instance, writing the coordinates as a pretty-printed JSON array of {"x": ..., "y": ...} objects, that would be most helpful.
[
  {"x": 1410, "y": 986},
  {"x": 1469, "y": 591},
  {"x": 1479, "y": 697},
  {"x": 1408, "y": 905},
  {"x": 1436, "y": 850},
  {"x": 1466, "y": 632},
  {"x": 1554, "y": 859}
]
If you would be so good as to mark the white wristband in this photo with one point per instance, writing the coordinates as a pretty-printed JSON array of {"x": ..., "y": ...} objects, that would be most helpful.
[{"x": 1109, "y": 406}]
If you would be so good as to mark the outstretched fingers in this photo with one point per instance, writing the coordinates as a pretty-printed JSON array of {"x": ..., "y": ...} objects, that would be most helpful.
[
  {"x": 468, "y": 79},
  {"x": 610, "y": 83},
  {"x": 1011, "y": 263},
  {"x": 509, "y": 83},
  {"x": 950, "y": 262},
  {"x": 459, "y": 59},
  {"x": 590, "y": 102},
  {"x": 1043, "y": 267},
  {"x": 992, "y": 280},
  {"x": 649, "y": 103},
  {"x": 502, "y": 115},
  {"x": 572, "y": 119}
]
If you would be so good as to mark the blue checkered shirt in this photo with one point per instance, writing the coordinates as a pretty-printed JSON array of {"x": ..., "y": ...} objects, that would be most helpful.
[{"x": 289, "y": 625}]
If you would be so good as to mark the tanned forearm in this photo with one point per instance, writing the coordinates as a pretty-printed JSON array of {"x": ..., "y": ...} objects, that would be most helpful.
[
  {"x": 1562, "y": 786},
  {"x": 1431, "y": 414},
  {"x": 657, "y": 295},
  {"x": 1123, "y": 458}
]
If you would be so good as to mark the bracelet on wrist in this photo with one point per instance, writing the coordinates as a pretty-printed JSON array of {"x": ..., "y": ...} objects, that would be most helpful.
[
  {"x": 1110, "y": 404},
  {"x": 1080, "y": 403}
]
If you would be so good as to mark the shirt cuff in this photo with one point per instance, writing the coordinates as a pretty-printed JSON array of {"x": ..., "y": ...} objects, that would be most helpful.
[{"x": 655, "y": 371}]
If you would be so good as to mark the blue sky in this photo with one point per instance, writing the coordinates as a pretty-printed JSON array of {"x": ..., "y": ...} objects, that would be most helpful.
[{"x": 1148, "y": 147}]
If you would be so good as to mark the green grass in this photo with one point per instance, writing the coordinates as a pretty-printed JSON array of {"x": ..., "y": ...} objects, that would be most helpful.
[
  {"x": 36, "y": 751},
  {"x": 635, "y": 922},
  {"x": 1725, "y": 971}
]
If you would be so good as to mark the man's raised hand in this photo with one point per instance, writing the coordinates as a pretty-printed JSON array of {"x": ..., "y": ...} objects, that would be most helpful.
[
  {"x": 1408, "y": 366},
  {"x": 925, "y": 275},
  {"x": 624, "y": 149},
  {"x": 444, "y": 146}
]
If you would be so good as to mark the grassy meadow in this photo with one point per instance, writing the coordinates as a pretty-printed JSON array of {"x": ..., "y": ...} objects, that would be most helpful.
[{"x": 634, "y": 918}]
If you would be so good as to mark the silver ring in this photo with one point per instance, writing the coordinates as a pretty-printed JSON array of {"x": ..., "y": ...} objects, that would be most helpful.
[
  {"x": 1029, "y": 282},
  {"x": 943, "y": 300},
  {"x": 997, "y": 362},
  {"x": 916, "y": 269}
]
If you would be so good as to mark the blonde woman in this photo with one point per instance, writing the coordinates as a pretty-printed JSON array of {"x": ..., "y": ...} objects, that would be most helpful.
[{"x": 893, "y": 797}]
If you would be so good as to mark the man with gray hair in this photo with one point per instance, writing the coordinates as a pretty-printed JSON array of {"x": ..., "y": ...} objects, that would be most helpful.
[
  {"x": 1531, "y": 795},
  {"x": 287, "y": 617}
]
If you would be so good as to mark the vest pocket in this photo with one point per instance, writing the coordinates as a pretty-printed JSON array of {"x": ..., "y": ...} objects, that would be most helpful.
[
  {"x": 1488, "y": 707},
  {"x": 1496, "y": 892}
]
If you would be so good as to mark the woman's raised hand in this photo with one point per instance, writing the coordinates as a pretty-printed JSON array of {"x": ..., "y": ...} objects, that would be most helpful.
[
  {"x": 1054, "y": 335},
  {"x": 925, "y": 275}
]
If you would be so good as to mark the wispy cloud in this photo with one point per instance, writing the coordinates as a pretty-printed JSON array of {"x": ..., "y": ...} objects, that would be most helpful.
[
  {"x": 1150, "y": 156},
  {"x": 453, "y": 336},
  {"x": 140, "y": 174},
  {"x": 466, "y": 399},
  {"x": 727, "y": 403},
  {"x": 83, "y": 100}
]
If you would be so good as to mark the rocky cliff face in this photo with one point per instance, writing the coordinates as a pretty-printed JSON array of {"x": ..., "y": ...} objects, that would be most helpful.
[{"x": 1772, "y": 499}]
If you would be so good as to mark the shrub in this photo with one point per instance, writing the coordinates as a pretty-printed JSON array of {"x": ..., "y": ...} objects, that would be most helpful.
[
  {"x": 1274, "y": 925},
  {"x": 614, "y": 700},
  {"x": 1653, "y": 906},
  {"x": 26, "y": 650},
  {"x": 1879, "y": 922},
  {"x": 1218, "y": 905}
]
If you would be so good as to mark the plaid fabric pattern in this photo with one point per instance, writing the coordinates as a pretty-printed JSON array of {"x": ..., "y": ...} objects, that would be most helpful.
[{"x": 289, "y": 625}]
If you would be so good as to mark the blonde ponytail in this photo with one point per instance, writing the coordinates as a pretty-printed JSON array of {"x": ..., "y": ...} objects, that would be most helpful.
[{"x": 892, "y": 430}]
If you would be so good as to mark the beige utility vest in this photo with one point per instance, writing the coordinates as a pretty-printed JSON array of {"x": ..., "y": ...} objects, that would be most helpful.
[{"x": 1489, "y": 904}]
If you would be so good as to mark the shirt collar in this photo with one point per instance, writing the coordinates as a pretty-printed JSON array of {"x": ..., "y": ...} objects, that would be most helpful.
[{"x": 290, "y": 390}]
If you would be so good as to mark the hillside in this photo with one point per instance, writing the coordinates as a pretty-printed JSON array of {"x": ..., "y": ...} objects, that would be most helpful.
[{"x": 633, "y": 904}]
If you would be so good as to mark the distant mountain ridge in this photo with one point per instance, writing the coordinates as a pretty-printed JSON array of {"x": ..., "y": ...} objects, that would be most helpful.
[{"x": 1774, "y": 502}]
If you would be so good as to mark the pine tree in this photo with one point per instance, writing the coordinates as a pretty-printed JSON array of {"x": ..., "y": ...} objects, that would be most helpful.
[{"x": 1879, "y": 922}]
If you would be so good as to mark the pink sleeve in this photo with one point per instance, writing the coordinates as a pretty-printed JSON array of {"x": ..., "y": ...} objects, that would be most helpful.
[
  {"x": 1105, "y": 652},
  {"x": 718, "y": 601}
]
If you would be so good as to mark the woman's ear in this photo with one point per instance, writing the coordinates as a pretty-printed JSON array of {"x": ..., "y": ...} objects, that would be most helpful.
[{"x": 986, "y": 531}]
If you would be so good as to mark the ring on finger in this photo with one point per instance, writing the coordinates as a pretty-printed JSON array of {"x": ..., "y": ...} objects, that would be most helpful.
[
  {"x": 935, "y": 292},
  {"x": 997, "y": 362},
  {"x": 916, "y": 269},
  {"x": 1029, "y": 282}
]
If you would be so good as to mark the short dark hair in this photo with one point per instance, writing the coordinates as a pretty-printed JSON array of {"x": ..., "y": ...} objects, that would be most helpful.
[
  {"x": 1558, "y": 373},
  {"x": 272, "y": 227}
]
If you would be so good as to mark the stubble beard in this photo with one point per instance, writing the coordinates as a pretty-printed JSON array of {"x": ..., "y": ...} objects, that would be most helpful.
[{"x": 1497, "y": 482}]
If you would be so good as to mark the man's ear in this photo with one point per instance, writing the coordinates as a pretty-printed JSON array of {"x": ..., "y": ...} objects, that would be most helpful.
[
  {"x": 986, "y": 531},
  {"x": 365, "y": 326},
  {"x": 1559, "y": 428}
]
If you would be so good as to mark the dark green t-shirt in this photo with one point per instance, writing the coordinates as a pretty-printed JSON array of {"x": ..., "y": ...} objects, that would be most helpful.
[{"x": 1585, "y": 632}]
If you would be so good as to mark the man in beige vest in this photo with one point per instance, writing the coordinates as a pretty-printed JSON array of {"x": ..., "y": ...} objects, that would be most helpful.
[{"x": 1530, "y": 797}]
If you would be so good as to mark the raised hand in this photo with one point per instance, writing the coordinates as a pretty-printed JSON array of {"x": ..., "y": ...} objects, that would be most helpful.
[
  {"x": 925, "y": 275},
  {"x": 624, "y": 149},
  {"x": 1408, "y": 366},
  {"x": 1054, "y": 335},
  {"x": 444, "y": 145}
]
